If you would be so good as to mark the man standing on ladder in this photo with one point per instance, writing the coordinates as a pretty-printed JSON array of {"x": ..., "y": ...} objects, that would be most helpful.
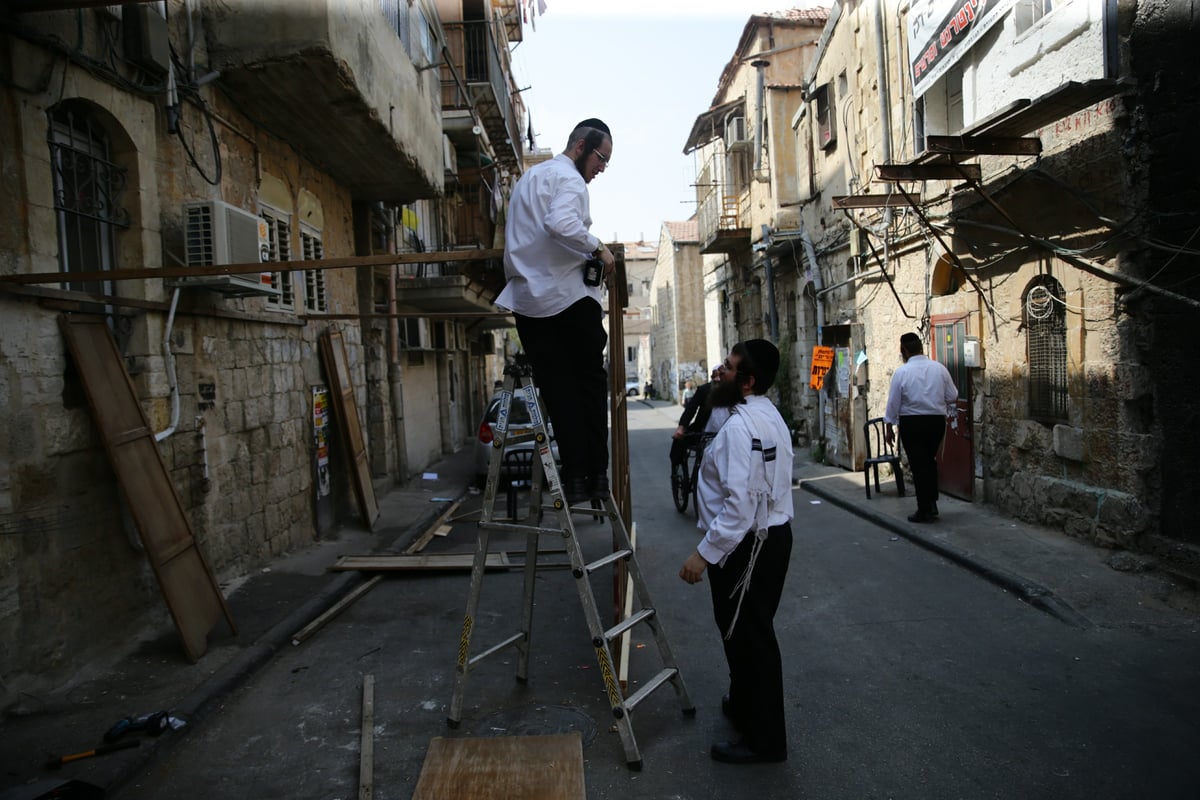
[
  {"x": 744, "y": 502},
  {"x": 558, "y": 308}
]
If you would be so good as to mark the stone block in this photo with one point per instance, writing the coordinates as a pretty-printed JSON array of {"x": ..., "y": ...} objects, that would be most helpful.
[{"x": 1069, "y": 443}]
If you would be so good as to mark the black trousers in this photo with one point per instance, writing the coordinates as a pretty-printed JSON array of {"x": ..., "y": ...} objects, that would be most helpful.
[
  {"x": 921, "y": 436},
  {"x": 567, "y": 354},
  {"x": 755, "y": 665}
]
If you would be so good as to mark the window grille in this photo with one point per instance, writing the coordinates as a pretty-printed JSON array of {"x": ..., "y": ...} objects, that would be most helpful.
[
  {"x": 1046, "y": 350},
  {"x": 314, "y": 279},
  {"x": 87, "y": 185},
  {"x": 279, "y": 248}
]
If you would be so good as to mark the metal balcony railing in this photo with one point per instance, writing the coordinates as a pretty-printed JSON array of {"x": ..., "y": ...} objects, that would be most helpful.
[{"x": 476, "y": 57}]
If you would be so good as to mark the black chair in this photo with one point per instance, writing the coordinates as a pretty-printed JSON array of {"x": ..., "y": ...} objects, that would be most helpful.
[
  {"x": 517, "y": 473},
  {"x": 885, "y": 454}
]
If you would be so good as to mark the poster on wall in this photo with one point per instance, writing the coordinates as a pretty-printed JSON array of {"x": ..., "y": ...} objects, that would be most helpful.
[
  {"x": 940, "y": 32},
  {"x": 320, "y": 406},
  {"x": 822, "y": 361}
]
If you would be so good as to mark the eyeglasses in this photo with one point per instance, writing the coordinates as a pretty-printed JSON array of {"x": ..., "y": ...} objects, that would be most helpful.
[{"x": 603, "y": 158}]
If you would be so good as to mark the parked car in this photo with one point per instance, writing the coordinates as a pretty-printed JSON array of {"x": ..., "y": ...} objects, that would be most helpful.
[
  {"x": 518, "y": 424},
  {"x": 631, "y": 387}
]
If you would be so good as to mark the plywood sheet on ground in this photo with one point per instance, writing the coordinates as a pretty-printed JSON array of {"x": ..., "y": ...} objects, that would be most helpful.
[{"x": 529, "y": 767}]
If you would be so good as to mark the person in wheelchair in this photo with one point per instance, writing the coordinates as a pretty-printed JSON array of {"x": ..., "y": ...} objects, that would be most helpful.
[{"x": 693, "y": 420}]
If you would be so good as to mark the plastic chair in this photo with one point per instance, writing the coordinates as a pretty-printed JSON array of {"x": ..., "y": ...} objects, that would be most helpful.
[
  {"x": 885, "y": 454},
  {"x": 517, "y": 470}
]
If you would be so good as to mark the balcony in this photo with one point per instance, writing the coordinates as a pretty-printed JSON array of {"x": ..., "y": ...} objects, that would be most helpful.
[
  {"x": 723, "y": 220},
  {"x": 451, "y": 287},
  {"x": 477, "y": 79},
  {"x": 334, "y": 79}
]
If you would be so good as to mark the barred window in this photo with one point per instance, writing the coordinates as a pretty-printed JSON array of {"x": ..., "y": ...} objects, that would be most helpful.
[
  {"x": 1046, "y": 349},
  {"x": 279, "y": 248},
  {"x": 87, "y": 188},
  {"x": 314, "y": 279}
]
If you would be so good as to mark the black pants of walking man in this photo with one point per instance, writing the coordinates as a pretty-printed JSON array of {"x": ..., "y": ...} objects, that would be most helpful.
[
  {"x": 567, "y": 355},
  {"x": 755, "y": 665},
  {"x": 921, "y": 436}
]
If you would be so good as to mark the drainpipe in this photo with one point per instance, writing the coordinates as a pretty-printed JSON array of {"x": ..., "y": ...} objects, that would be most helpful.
[
  {"x": 811, "y": 255},
  {"x": 169, "y": 357},
  {"x": 760, "y": 64},
  {"x": 885, "y": 113},
  {"x": 769, "y": 275}
]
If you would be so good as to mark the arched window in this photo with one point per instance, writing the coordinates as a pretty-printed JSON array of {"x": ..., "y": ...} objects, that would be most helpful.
[
  {"x": 87, "y": 189},
  {"x": 1046, "y": 349}
]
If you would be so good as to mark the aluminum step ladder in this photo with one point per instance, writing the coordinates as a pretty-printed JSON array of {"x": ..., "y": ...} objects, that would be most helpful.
[{"x": 519, "y": 378}]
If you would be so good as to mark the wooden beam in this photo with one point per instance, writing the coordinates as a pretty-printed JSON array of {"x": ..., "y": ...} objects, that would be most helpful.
[
  {"x": 870, "y": 201},
  {"x": 928, "y": 172},
  {"x": 23, "y": 6},
  {"x": 345, "y": 262},
  {"x": 984, "y": 145},
  {"x": 366, "y": 752}
]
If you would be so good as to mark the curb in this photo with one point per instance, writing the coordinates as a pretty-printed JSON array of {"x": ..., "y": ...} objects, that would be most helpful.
[{"x": 1026, "y": 590}]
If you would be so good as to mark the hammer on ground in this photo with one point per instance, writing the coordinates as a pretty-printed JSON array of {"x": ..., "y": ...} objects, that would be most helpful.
[{"x": 57, "y": 761}]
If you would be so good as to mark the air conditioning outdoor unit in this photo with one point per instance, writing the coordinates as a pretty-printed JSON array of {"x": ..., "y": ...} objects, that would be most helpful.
[
  {"x": 735, "y": 133},
  {"x": 217, "y": 233}
]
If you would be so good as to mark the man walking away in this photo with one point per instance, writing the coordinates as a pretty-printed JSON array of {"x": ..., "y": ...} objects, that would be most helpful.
[
  {"x": 744, "y": 501},
  {"x": 922, "y": 395}
]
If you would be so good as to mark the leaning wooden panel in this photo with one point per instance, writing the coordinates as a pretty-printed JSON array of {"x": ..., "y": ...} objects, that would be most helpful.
[
  {"x": 333, "y": 353},
  {"x": 528, "y": 767},
  {"x": 184, "y": 576}
]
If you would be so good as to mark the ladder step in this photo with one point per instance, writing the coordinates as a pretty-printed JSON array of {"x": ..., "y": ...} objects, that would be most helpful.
[
  {"x": 650, "y": 685},
  {"x": 629, "y": 622},
  {"x": 617, "y": 555},
  {"x": 510, "y": 641}
]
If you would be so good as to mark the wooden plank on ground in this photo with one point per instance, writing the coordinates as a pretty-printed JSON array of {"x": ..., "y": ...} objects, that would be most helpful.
[
  {"x": 366, "y": 759},
  {"x": 308, "y": 630},
  {"x": 431, "y": 531},
  {"x": 418, "y": 562},
  {"x": 528, "y": 767}
]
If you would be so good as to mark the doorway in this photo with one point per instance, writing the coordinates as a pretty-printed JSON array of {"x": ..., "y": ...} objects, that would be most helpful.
[{"x": 956, "y": 464}]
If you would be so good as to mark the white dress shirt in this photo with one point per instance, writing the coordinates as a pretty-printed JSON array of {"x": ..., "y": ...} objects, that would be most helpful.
[
  {"x": 733, "y": 479},
  {"x": 546, "y": 241},
  {"x": 920, "y": 387}
]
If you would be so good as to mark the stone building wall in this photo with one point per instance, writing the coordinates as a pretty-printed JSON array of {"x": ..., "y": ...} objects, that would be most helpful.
[{"x": 245, "y": 375}]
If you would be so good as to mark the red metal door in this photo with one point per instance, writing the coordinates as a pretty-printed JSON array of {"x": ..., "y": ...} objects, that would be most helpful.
[{"x": 956, "y": 464}]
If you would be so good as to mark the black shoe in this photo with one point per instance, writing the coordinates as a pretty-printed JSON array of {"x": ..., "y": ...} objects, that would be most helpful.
[
  {"x": 741, "y": 753},
  {"x": 921, "y": 516},
  {"x": 576, "y": 490},
  {"x": 598, "y": 487},
  {"x": 934, "y": 512}
]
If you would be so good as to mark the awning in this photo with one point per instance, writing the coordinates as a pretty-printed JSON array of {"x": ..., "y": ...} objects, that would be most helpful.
[{"x": 711, "y": 124}]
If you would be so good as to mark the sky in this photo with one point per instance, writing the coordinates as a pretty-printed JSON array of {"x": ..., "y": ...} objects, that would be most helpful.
[{"x": 647, "y": 68}]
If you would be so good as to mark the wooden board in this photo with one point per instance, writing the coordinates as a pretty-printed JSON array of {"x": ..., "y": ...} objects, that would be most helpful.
[
  {"x": 184, "y": 576},
  {"x": 333, "y": 353},
  {"x": 432, "y": 561},
  {"x": 528, "y": 767}
]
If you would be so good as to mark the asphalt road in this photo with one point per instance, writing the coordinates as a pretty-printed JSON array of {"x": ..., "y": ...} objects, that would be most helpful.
[{"x": 908, "y": 678}]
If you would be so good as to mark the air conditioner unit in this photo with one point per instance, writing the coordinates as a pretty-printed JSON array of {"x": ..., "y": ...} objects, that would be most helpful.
[
  {"x": 735, "y": 133},
  {"x": 217, "y": 233}
]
